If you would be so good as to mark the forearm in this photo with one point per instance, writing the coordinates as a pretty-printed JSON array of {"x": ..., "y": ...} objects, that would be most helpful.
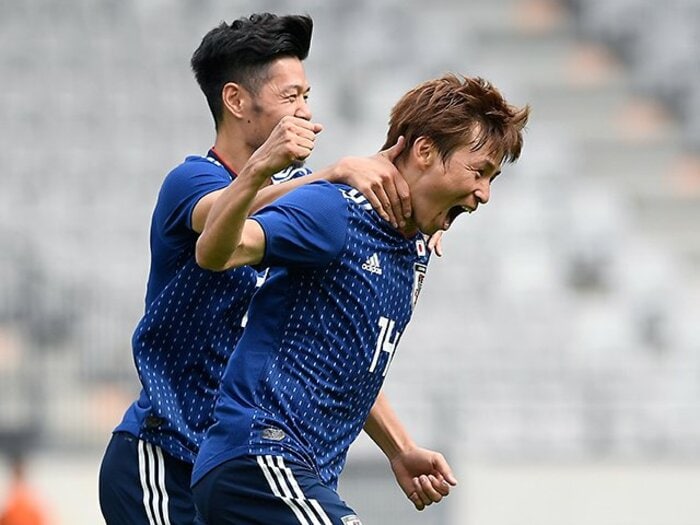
[
  {"x": 375, "y": 177},
  {"x": 221, "y": 235},
  {"x": 386, "y": 430}
]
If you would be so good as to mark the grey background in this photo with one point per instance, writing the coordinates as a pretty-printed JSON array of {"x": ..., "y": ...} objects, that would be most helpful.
[{"x": 560, "y": 326}]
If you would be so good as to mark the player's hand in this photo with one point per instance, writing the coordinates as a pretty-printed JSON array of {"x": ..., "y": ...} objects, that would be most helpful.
[
  {"x": 377, "y": 178},
  {"x": 435, "y": 242},
  {"x": 423, "y": 475},
  {"x": 291, "y": 140}
]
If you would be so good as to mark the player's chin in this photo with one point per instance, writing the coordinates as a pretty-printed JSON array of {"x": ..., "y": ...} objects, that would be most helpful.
[
  {"x": 429, "y": 225},
  {"x": 430, "y": 229}
]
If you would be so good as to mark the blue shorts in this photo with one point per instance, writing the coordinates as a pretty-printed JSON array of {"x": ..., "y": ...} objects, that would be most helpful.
[
  {"x": 262, "y": 490},
  {"x": 142, "y": 485}
]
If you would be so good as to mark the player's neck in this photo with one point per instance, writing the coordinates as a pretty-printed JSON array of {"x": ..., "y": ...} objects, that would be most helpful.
[
  {"x": 234, "y": 153},
  {"x": 408, "y": 171}
]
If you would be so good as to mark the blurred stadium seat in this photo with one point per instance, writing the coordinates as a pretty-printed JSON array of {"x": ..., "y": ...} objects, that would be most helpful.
[{"x": 562, "y": 321}]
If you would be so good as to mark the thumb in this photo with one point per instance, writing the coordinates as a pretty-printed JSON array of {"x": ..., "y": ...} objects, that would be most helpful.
[
  {"x": 394, "y": 151},
  {"x": 444, "y": 469}
]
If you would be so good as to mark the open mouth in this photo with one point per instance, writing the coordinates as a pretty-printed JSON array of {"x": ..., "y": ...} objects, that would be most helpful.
[{"x": 455, "y": 212}]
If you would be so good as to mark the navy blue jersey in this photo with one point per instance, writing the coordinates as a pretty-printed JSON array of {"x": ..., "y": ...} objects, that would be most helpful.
[
  {"x": 321, "y": 333},
  {"x": 192, "y": 319}
]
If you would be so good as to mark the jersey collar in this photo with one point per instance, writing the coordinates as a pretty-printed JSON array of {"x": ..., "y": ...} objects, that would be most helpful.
[{"x": 215, "y": 155}]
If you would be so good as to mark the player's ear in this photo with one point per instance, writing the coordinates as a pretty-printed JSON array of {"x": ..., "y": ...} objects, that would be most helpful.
[
  {"x": 234, "y": 98},
  {"x": 424, "y": 151}
]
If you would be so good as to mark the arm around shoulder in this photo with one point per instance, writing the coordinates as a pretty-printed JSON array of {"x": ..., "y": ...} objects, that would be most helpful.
[
  {"x": 250, "y": 250},
  {"x": 228, "y": 238}
]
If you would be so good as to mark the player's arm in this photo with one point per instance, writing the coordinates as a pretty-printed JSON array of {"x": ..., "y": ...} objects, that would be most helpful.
[
  {"x": 228, "y": 239},
  {"x": 375, "y": 177},
  {"x": 423, "y": 475}
]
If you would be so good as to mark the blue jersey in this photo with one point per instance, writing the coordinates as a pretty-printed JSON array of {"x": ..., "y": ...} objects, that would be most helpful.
[
  {"x": 192, "y": 319},
  {"x": 321, "y": 334}
]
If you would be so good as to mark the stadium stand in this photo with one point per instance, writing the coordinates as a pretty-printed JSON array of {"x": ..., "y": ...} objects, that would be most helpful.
[{"x": 571, "y": 325}]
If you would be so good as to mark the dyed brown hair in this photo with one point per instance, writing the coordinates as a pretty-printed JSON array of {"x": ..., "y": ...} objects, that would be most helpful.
[{"x": 455, "y": 111}]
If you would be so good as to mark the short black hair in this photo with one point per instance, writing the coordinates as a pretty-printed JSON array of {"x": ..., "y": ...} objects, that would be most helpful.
[{"x": 242, "y": 52}]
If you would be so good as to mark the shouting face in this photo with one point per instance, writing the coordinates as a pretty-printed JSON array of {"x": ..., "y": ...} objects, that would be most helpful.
[{"x": 449, "y": 187}]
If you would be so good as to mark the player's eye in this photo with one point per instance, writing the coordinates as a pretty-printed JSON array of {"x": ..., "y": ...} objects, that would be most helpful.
[{"x": 477, "y": 172}]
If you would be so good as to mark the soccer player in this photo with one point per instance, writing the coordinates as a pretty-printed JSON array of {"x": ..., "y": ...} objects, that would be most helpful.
[
  {"x": 323, "y": 329},
  {"x": 252, "y": 76}
]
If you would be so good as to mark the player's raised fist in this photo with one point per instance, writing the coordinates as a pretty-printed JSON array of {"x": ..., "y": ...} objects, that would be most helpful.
[{"x": 292, "y": 140}]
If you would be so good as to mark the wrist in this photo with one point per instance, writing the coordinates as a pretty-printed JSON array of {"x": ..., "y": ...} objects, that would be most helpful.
[
  {"x": 398, "y": 448},
  {"x": 255, "y": 171}
]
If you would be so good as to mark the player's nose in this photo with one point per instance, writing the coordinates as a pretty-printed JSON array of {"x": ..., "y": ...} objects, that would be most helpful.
[
  {"x": 303, "y": 110},
  {"x": 483, "y": 192}
]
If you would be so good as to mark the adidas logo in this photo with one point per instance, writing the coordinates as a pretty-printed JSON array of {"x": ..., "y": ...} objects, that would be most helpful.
[{"x": 372, "y": 265}]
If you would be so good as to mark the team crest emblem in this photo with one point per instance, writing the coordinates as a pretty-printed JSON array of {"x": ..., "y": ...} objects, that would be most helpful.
[
  {"x": 419, "y": 271},
  {"x": 352, "y": 519}
]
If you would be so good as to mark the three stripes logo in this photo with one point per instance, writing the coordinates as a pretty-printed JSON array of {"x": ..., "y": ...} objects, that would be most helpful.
[
  {"x": 285, "y": 486},
  {"x": 372, "y": 265},
  {"x": 152, "y": 476}
]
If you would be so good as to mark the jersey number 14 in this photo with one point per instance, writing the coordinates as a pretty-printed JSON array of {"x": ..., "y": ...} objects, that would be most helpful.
[{"x": 386, "y": 342}]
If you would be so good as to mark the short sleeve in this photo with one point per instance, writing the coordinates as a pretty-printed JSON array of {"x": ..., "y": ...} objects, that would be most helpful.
[
  {"x": 182, "y": 190},
  {"x": 306, "y": 227}
]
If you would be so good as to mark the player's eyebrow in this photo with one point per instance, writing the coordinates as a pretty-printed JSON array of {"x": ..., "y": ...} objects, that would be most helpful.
[
  {"x": 488, "y": 165},
  {"x": 297, "y": 88}
]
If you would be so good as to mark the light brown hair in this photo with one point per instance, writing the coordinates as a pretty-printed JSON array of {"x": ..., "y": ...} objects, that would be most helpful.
[{"x": 454, "y": 112}]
